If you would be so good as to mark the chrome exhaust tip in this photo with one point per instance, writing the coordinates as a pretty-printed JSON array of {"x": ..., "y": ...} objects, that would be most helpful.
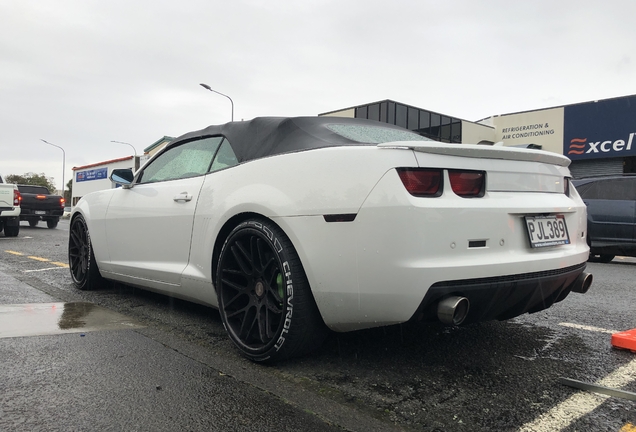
[
  {"x": 582, "y": 283},
  {"x": 453, "y": 310}
]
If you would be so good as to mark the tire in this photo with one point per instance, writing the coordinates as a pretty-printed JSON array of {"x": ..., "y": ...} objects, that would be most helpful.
[
  {"x": 81, "y": 258},
  {"x": 605, "y": 258},
  {"x": 52, "y": 223},
  {"x": 33, "y": 222},
  {"x": 11, "y": 231},
  {"x": 264, "y": 297}
]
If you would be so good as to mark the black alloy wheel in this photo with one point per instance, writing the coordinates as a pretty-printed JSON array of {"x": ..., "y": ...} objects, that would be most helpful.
[
  {"x": 81, "y": 258},
  {"x": 264, "y": 298}
]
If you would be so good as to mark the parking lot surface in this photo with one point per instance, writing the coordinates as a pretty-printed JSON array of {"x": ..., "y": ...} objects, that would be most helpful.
[{"x": 494, "y": 376}]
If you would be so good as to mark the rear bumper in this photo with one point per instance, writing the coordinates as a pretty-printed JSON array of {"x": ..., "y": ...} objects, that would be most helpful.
[
  {"x": 502, "y": 297},
  {"x": 9, "y": 211},
  {"x": 30, "y": 214}
]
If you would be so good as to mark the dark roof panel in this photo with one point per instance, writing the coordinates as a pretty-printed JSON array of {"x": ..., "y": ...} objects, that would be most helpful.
[{"x": 268, "y": 136}]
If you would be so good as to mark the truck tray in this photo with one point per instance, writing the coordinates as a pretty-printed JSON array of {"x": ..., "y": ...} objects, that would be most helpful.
[{"x": 625, "y": 340}]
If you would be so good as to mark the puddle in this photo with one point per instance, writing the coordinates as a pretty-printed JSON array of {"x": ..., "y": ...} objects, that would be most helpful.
[{"x": 56, "y": 318}]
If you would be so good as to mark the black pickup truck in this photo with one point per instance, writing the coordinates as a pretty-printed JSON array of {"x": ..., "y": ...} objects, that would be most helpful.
[{"x": 38, "y": 204}]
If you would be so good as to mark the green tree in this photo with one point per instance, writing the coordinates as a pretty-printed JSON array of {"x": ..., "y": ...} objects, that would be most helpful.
[
  {"x": 32, "y": 179},
  {"x": 68, "y": 193}
]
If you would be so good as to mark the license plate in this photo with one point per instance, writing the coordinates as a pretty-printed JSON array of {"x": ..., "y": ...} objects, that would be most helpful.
[
  {"x": 544, "y": 231},
  {"x": 40, "y": 212}
]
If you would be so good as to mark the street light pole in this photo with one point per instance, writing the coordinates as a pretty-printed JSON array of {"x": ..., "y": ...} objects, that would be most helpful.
[
  {"x": 136, "y": 161},
  {"x": 63, "y": 163},
  {"x": 207, "y": 87},
  {"x": 121, "y": 142}
]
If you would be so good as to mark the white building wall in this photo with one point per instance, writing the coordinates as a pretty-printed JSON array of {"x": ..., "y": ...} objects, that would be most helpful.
[
  {"x": 96, "y": 177},
  {"x": 473, "y": 133},
  {"x": 543, "y": 127},
  {"x": 349, "y": 113}
]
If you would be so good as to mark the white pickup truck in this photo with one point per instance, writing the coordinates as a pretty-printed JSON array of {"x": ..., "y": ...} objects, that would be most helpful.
[{"x": 9, "y": 208}]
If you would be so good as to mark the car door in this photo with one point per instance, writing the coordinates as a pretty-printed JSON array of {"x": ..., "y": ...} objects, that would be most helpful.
[
  {"x": 611, "y": 208},
  {"x": 149, "y": 225}
]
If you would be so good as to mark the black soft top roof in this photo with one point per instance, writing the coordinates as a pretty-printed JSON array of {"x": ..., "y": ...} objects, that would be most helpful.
[{"x": 268, "y": 136}]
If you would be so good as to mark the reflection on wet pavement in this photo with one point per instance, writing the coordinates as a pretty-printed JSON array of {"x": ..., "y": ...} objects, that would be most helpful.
[{"x": 56, "y": 318}]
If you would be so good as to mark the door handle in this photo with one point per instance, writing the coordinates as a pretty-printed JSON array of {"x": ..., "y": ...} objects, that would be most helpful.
[{"x": 183, "y": 196}]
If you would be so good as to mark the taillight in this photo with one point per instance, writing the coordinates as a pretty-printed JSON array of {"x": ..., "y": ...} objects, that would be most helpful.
[
  {"x": 17, "y": 197},
  {"x": 566, "y": 186},
  {"x": 467, "y": 184},
  {"x": 62, "y": 201},
  {"x": 421, "y": 182}
]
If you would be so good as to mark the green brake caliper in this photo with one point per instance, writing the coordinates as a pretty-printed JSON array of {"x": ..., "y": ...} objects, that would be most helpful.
[{"x": 279, "y": 282}]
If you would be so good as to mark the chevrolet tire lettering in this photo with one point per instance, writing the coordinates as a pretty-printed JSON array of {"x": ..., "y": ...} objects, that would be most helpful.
[{"x": 290, "y": 306}]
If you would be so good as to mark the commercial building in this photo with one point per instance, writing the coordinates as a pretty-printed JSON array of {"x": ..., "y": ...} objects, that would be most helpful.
[
  {"x": 598, "y": 136},
  {"x": 94, "y": 177}
]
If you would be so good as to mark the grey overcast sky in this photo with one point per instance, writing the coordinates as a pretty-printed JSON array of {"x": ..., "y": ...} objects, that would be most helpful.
[{"x": 81, "y": 73}]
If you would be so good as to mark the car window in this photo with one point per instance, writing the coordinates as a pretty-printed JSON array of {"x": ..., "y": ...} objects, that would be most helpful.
[
  {"x": 374, "y": 134},
  {"x": 621, "y": 189},
  {"x": 584, "y": 189},
  {"x": 189, "y": 159},
  {"x": 224, "y": 158}
]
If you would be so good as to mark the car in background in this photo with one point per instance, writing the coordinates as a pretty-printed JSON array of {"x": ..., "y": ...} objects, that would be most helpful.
[
  {"x": 292, "y": 226},
  {"x": 10, "y": 200},
  {"x": 611, "y": 215},
  {"x": 39, "y": 204},
  {"x": 67, "y": 213}
]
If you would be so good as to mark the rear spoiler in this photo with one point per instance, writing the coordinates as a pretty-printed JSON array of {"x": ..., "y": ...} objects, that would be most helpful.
[{"x": 481, "y": 151}]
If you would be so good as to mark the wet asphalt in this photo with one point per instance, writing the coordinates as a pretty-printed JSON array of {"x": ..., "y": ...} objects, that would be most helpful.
[
  {"x": 147, "y": 362},
  {"x": 89, "y": 368}
]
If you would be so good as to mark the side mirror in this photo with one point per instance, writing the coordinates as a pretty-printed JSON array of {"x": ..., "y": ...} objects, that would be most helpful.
[{"x": 122, "y": 176}]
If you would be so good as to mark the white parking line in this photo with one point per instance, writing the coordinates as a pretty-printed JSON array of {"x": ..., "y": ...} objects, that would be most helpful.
[
  {"x": 44, "y": 269},
  {"x": 588, "y": 328},
  {"x": 581, "y": 403}
]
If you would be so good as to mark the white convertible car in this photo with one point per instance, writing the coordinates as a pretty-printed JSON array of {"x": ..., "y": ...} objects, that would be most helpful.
[{"x": 292, "y": 226}]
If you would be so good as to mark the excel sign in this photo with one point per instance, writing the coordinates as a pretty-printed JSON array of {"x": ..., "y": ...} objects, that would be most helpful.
[{"x": 602, "y": 129}]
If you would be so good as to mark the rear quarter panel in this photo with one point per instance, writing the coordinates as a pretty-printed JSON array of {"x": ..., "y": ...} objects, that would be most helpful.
[{"x": 295, "y": 191}]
